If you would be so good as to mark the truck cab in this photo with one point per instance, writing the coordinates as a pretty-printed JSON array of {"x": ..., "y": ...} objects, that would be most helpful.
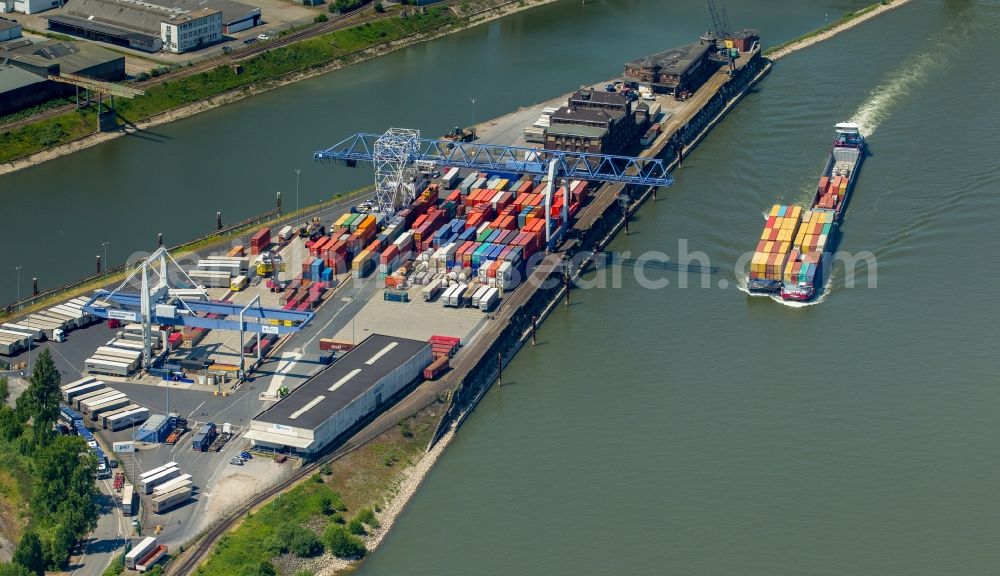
[{"x": 58, "y": 335}]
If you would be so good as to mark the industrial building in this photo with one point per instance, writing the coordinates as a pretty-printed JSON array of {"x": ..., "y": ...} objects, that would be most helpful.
[
  {"x": 9, "y": 30},
  {"x": 51, "y": 57},
  {"x": 25, "y": 68},
  {"x": 28, "y": 6},
  {"x": 20, "y": 89},
  {"x": 594, "y": 122},
  {"x": 171, "y": 25},
  {"x": 674, "y": 71},
  {"x": 331, "y": 402}
]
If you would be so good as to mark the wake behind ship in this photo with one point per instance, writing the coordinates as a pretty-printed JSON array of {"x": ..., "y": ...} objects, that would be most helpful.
[{"x": 789, "y": 257}]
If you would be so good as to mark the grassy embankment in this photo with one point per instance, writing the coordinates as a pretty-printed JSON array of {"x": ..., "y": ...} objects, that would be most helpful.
[
  {"x": 15, "y": 485},
  {"x": 264, "y": 67},
  {"x": 847, "y": 17},
  {"x": 347, "y": 493}
]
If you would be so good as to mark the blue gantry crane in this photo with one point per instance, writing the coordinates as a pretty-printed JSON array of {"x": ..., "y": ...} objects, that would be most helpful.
[
  {"x": 166, "y": 295},
  {"x": 398, "y": 150}
]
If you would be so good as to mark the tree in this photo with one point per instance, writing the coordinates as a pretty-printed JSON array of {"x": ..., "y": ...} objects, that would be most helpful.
[
  {"x": 63, "y": 494},
  {"x": 379, "y": 7},
  {"x": 299, "y": 540},
  {"x": 4, "y": 390},
  {"x": 41, "y": 399},
  {"x": 29, "y": 554},
  {"x": 342, "y": 543},
  {"x": 11, "y": 424},
  {"x": 14, "y": 569}
]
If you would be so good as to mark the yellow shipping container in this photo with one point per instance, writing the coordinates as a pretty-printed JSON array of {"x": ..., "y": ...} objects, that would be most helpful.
[
  {"x": 784, "y": 235},
  {"x": 796, "y": 212},
  {"x": 340, "y": 221},
  {"x": 785, "y": 248},
  {"x": 367, "y": 223},
  {"x": 775, "y": 209}
]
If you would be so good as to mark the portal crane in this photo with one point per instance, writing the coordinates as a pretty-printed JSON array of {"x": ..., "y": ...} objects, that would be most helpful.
[
  {"x": 167, "y": 296},
  {"x": 395, "y": 153}
]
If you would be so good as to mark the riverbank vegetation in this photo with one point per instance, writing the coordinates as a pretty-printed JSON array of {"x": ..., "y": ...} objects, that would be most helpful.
[
  {"x": 268, "y": 66},
  {"x": 304, "y": 529},
  {"x": 50, "y": 475}
]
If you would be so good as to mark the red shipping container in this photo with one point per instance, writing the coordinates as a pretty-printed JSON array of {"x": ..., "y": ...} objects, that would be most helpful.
[
  {"x": 436, "y": 368},
  {"x": 389, "y": 254},
  {"x": 261, "y": 237}
]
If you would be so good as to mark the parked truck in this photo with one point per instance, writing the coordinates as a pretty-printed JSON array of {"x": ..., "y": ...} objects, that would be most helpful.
[{"x": 203, "y": 439}]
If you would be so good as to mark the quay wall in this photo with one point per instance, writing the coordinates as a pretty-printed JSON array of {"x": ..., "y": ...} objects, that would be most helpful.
[{"x": 538, "y": 297}]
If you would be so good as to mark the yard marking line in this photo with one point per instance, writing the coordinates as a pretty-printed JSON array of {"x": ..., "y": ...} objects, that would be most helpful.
[
  {"x": 191, "y": 415},
  {"x": 325, "y": 326}
]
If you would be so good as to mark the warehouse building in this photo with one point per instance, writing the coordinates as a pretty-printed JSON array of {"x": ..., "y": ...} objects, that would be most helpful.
[
  {"x": 25, "y": 67},
  {"x": 28, "y": 6},
  {"x": 20, "y": 89},
  {"x": 333, "y": 401},
  {"x": 55, "y": 57},
  {"x": 679, "y": 69},
  {"x": 172, "y": 25},
  {"x": 9, "y": 30}
]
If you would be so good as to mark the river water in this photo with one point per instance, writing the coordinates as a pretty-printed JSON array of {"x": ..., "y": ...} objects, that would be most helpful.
[{"x": 652, "y": 431}]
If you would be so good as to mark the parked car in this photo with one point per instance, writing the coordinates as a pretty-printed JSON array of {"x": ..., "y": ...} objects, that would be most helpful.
[
  {"x": 246, "y": 455},
  {"x": 236, "y": 460},
  {"x": 249, "y": 40},
  {"x": 263, "y": 37}
]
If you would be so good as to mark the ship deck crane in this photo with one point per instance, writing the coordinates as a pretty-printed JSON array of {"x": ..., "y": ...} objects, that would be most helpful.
[{"x": 395, "y": 153}]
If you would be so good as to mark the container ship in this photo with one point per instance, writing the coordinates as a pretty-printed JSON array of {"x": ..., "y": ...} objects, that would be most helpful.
[{"x": 789, "y": 257}]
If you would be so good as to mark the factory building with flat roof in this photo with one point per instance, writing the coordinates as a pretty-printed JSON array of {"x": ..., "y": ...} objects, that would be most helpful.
[
  {"x": 9, "y": 30},
  {"x": 25, "y": 68},
  {"x": 330, "y": 403},
  {"x": 171, "y": 25}
]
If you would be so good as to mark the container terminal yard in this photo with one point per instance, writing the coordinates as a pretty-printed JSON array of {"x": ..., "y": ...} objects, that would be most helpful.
[{"x": 306, "y": 337}]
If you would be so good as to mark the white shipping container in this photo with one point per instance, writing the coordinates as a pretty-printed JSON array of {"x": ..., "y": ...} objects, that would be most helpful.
[
  {"x": 157, "y": 470},
  {"x": 478, "y": 295},
  {"x": 99, "y": 366},
  {"x": 139, "y": 551},
  {"x": 431, "y": 291},
  {"x": 489, "y": 300},
  {"x": 449, "y": 178}
]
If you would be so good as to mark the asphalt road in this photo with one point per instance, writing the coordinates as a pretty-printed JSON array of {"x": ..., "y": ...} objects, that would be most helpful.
[{"x": 238, "y": 408}]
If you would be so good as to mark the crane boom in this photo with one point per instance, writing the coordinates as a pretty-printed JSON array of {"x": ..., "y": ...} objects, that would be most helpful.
[{"x": 365, "y": 147}]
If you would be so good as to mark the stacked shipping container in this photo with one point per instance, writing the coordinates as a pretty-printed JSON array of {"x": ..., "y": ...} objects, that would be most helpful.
[{"x": 775, "y": 243}]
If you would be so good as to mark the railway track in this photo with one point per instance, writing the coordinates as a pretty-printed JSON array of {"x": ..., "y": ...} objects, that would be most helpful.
[
  {"x": 233, "y": 57},
  {"x": 362, "y": 433}
]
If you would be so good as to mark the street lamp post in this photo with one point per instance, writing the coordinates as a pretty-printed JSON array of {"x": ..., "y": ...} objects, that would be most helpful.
[
  {"x": 473, "y": 119},
  {"x": 18, "y": 268},
  {"x": 297, "y": 172},
  {"x": 105, "y": 244}
]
